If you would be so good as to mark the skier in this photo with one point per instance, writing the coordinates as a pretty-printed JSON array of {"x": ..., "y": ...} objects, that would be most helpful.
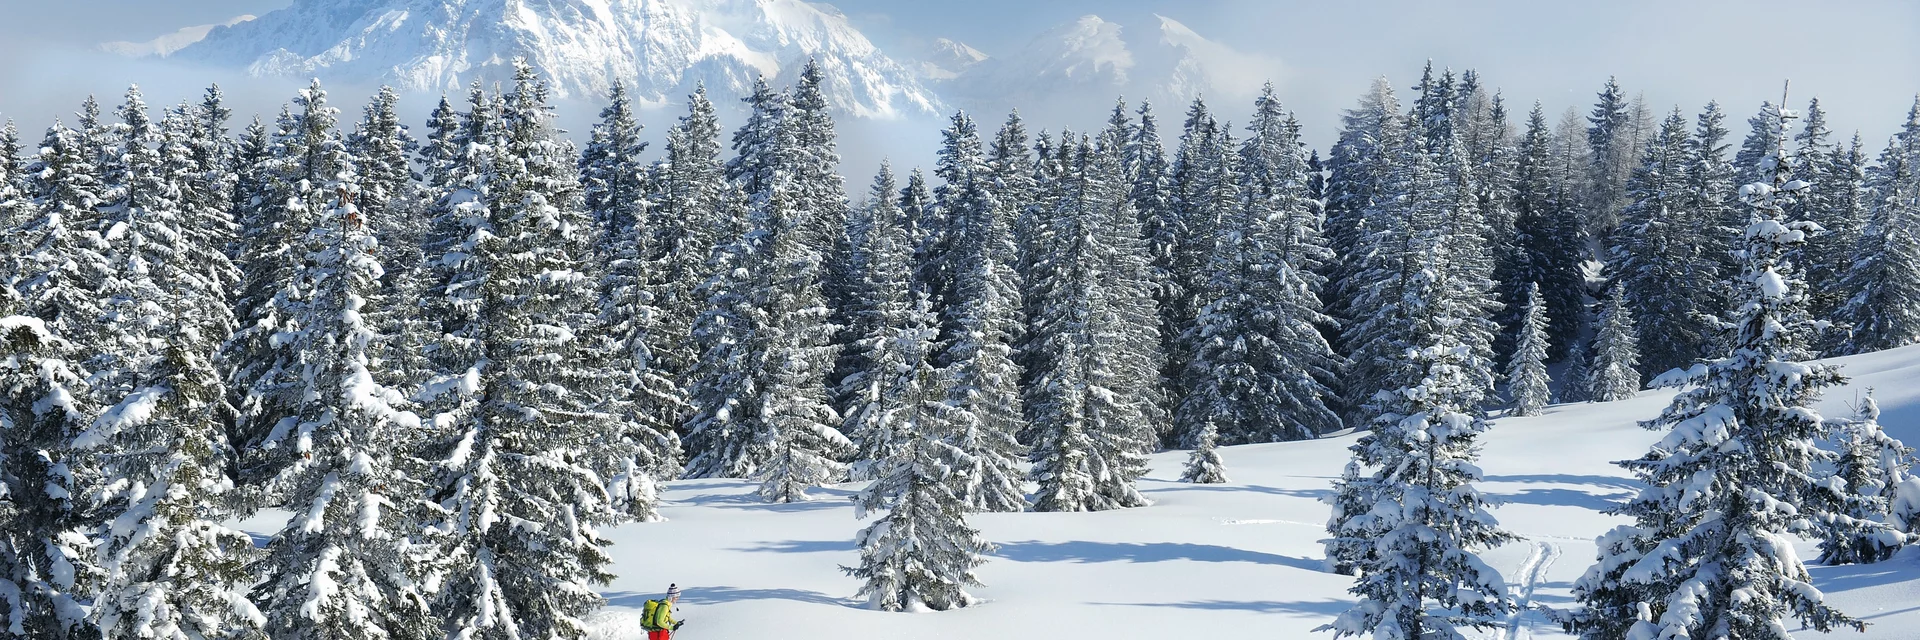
[{"x": 657, "y": 617}]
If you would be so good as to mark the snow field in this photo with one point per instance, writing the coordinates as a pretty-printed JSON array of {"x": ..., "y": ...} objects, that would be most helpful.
[{"x": 1236, "y": 560}]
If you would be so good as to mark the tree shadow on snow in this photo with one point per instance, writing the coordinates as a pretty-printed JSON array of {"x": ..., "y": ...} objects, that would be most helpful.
[
  {"x": 821, "y": 498},
  {"x": 1626, "y": 485},
  {"x": 1084, "y": 552},
  {"x": 722, "y": 595},
  {"x": 1561, "y": 498},
  {"x": 1310, "y": 494},
  {"x": 1319, "y": 608},
  {"x": 801, "y": 546}
]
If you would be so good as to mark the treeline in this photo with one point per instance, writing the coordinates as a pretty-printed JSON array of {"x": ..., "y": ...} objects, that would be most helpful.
[{"x": 453, "y": 355}]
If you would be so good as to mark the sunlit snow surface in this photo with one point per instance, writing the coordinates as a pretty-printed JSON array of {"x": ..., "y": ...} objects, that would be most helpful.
[{"x": 1239, "y": 560}]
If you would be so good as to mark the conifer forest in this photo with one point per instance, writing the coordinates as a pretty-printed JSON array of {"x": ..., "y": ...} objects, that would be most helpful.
[{"x": 443, "y": 361}]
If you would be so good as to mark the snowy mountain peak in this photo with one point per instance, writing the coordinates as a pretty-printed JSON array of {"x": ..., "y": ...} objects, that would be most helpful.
[
  {"x": 946, "y": 59},
  {"x": 659, "y": 48},
  {"x": 1089, "y": 47}
]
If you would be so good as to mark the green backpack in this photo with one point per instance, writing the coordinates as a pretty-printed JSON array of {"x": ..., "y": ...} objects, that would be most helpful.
[{"x": 650, "y": 615}]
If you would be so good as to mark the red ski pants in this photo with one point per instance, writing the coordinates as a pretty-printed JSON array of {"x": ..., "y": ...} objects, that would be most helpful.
[{"x": 660, "y": 634}]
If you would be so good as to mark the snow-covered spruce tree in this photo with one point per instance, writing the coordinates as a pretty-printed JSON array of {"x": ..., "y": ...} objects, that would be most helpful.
[
  {"x": 1712, "y": 205},
  {"x": 47, "y": 563},
  {"x": 1872, "y": 465},
  {"x": 346, "y": 565},
  {"x": 1095, "y": 342},
  {"x": 693, "y": 211},
  {"x": 612, "y": 177},
  {"x": 15, "y": 208},
  {"x": 1546, "y": 246},
  {"x": 922, "y": 554},
  {"x": 172, "y": 570},
  {"x": 1422, "y": 577},
  {"x": 381, "y": 147},
  {"x": 1884, "y": 278},
  {"x": 818, "y": 191},
  {"x": 1011, "y": 180},
  {"x": 1261, "y": 369},
  {"x": 763, "y": 147},
  {"x": 759, "y": 386},
  {"x": 878, "y": 260},
  {"x": 1832, "y": 201},
  {"x": 628, "y": 334},
  {"x": 1611, "y": 152},
  {"x": 1612, "y": 371},
  {"x": 141, "y": 228},
  {"x": 58, "y": 264},
  {"x": 1527, "y": 369},
  {"x": 1353, "y": 182},
  {"x": 1386, "y": 258},
  {"x": 1577, "y": 382},
  {"x": 307, "y": 153},
  {"x": 533, "y": 446},
  {"x": 1202, "y": 190},
  {"x": 1467, "y": 289},
  {"x": 1707, "y": 554},
  {"x": 978, "y": 322},
  {"x": 1204, "y": 465},
  {"x": 805, "y": 448},
  {"x": 204, "y": 275},
  {"x": 1658, "y": 258}
]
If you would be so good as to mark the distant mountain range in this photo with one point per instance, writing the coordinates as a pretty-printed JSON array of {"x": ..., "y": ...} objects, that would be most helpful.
[{"x": 662, "y": 49}]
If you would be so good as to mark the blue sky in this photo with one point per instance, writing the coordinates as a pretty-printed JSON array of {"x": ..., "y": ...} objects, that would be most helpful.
[{"x": 1861, "y": 57}]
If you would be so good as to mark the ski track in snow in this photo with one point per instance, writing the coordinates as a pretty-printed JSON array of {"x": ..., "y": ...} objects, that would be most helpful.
[{"x": 1532, "y": 572}]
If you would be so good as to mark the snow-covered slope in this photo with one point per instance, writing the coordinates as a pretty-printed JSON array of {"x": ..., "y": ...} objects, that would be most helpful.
[
  {"x": 1238, "y": 560},
  {"x": 1092, "y": 60},
  {"x": 660, "y": 48}
]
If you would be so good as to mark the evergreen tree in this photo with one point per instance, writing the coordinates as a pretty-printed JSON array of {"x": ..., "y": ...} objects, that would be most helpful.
[
  {"x": 765, "y": 147},
  {"x": 1832, "y": 201},
  {"x": 172, "y": 570},
  {"x": 346, "y": 565},
  {"x": 1612, "y": 150},
  {"x": 47, "y": 567},
  {"x": 533, "y": 440},
  {"x": 1707, "y": 553},
  {"x": 694, "y": 210},
  {"x": 1354, "y": 181},
  {"x": 978, "y": 295},
  {"x": 647, "y": 397},
  {"x": 878, "y": 258},
  {"x": 142, "y": 230},
  {"x": 1261, "y": 369},
  {"x": 1204, "y": 465},
  {"x": 1577, "y": 385},
  {"x": 14, "y": 204},
  {"x": 1092, "y": 404},
  {"x": 59, "y": 263},
  {"x": 759, "y": 388},
  {"x": 1421, "y": 576},
  {"x": 818, "y": 191},
  {"x": 1202, "y": 190},
  {"x": 1871, "y": 465},
  {"x": 1527, "y": 369},
  {"x": 922, "y": 554},
  {"x": 1546, "y": 250},
  {"x": 1614, "y": 372},
  {"x": 1658, "y": 255},
  {"x": 307, "y": 154},
  {"x": 612, "y": 178},
  {"x": 1714, "y": 211},
  {"x": 1884, "y": 310}
]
